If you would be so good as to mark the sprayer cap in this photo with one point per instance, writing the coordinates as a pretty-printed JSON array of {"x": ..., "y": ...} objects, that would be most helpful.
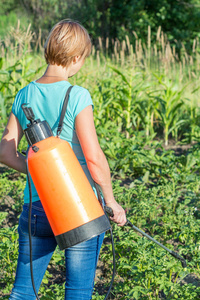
[{"x": 37, "y": 131}]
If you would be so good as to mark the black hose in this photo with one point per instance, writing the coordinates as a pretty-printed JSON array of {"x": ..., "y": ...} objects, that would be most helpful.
[
  {"x": 29, "y": 229},
  {"x": 112, "y": 240},
  {"x": 114, "y": 265}
]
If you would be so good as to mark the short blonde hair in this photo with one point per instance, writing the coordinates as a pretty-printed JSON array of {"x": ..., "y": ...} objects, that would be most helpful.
[{"x": 66, "y": 40}]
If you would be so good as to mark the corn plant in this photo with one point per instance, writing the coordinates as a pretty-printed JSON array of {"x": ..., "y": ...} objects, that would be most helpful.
[
  {"x": 170, "y": 100},
  {"x": 12, "y": 79},
  {"x": 130, "y": 91},
  {"x": 193, "y": 116}
]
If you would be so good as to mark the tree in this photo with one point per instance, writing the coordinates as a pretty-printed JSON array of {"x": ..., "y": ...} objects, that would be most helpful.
[{"x": 179, "y": 19}]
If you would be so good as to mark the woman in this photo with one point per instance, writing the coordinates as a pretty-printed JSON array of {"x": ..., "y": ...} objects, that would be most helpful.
[{"x": 66, "y": 48}]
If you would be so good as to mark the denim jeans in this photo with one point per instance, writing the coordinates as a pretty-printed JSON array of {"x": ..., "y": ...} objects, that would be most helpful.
[{"x": 81, "y": 260}]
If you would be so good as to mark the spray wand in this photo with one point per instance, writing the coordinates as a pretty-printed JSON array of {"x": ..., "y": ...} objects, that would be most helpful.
[{"x": 109, "y": 211}]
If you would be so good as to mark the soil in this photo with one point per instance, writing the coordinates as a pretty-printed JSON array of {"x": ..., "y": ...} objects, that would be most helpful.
[{"x": 101, "y": 279}]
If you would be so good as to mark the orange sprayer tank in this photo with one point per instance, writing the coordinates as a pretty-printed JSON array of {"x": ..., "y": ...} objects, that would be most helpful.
[{"x": 71, "y": 206}]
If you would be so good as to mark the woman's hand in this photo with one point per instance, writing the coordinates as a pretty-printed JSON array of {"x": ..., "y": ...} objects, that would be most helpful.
[{"x": 119, "y": 214}]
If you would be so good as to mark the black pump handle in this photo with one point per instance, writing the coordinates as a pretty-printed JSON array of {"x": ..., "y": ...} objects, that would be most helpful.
[{"x": 28, "y": 112}]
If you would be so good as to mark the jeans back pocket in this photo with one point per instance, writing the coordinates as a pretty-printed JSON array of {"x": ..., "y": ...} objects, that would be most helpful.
[{"x": 23, "y": 223}]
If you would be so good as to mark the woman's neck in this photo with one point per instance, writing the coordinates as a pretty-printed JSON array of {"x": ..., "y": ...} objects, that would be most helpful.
[{"x": 53, "y": 74}]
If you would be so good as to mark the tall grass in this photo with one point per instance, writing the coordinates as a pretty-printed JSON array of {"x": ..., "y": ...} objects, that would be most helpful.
[{"x": 141, "y": 86}]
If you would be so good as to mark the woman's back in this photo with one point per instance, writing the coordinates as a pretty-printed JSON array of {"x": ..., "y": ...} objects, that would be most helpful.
[{"x": 46, "y": 101}]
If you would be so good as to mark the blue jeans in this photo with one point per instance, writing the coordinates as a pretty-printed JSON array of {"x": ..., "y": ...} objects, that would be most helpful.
[{"x": 81, "y": 260}]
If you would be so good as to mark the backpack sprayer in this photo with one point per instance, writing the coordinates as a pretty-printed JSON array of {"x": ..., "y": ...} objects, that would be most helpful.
[
  {"x": 71, "y": 206},
  {"x": 73, "y": 210}
]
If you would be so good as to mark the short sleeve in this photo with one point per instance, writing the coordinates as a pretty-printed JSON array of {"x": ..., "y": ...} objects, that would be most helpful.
[
  {"x": 15, "y": 105},
  {"x": 17, "y": 110},
  {"x": 83, "y": 99}
]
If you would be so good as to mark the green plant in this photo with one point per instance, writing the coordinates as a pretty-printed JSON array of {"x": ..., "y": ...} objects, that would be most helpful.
[{"x": 170, "y": 100}]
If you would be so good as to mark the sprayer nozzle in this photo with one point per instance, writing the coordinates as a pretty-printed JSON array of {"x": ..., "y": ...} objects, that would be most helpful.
[{"x": 28, "y": 112}]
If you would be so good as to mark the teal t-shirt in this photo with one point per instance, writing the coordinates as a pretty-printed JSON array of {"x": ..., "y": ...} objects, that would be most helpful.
[{"x": 46, "y": 101}]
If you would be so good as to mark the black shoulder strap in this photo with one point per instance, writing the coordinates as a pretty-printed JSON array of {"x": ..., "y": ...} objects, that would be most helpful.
[
  {"x": 64, "y": 108},
  {"x": 98, "y": 193}
]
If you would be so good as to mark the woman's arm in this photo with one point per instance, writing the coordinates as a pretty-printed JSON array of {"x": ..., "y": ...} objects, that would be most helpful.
[
  {"x": 96, "y": 161},
  {"x": 9, "y": 143}
]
